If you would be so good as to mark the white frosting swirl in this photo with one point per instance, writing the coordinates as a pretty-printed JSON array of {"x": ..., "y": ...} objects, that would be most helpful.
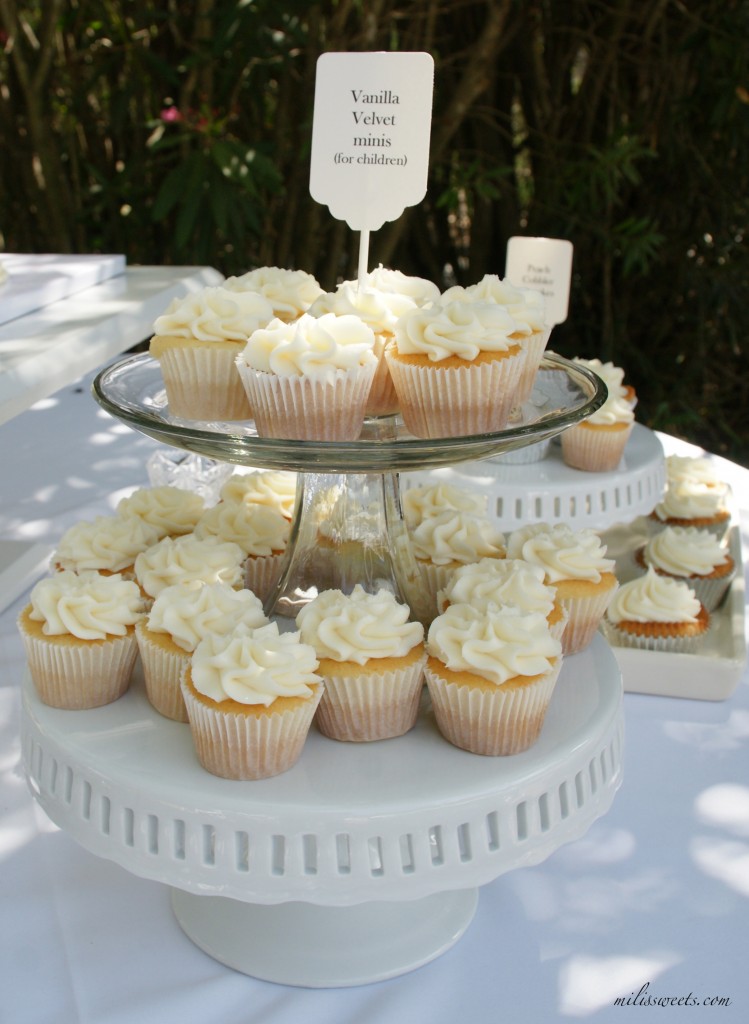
[
  {"x": 611, "y": 375},
  {"x": 615, "y": 409},
  {"x": 685, "y": 551},
  {"x": 172, "y": 509},
  {"x": 188, "y": 612},
  {"x": 311, "y": 347},
  {"x": 87, "y": 606},
  {"x": 378, "y": 310},
  {"x": 695, "y": 471},
  {"x": 496, "y": 645},
  {"x": 456, "y": 537},
  {"x": 653, "y": 598},
  {"x": 258, "y": 529},
  {"x": 431, "y": 499},
  {"x": 394, "y": 282},
  {"x": 461, "y": 329},
  {"x": 181, "y": 559},
  {"x": 106, "y": 542},
  {"x": 684, "y": 500},
  {"x": 526, "y": 305},
  {"x": 214, "y": 314},
  {"x": 274, "y": 488},
  {"x": 562, "y": 553},
  {"x": 254, "y": 666},
  {"x": 358, "y": 626},
  {"x": 289, "y": 292},
  {"x": 500, "y": 581}
]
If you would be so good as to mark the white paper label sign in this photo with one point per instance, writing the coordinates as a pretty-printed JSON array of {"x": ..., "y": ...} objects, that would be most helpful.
[
  {"x": 370, "y": 135},
  {"x": 544, "y": 264}
]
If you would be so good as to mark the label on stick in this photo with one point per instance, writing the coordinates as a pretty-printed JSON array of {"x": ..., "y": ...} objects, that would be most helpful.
[
  {"x": 370, "y": 135},
  {"x": 544, "y": 264}
]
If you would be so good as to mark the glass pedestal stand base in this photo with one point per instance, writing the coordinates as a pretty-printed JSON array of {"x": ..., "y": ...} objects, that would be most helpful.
[
  {"x": 348, "y": 529},
  {"x": 313, "y": 946}
]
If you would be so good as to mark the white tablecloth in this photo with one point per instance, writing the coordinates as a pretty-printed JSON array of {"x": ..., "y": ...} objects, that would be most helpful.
[{"x": 650, "y": 904}]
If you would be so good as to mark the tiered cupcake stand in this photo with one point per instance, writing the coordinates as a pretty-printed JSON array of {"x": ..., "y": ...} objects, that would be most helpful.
[{"x": 364, "y": 861}]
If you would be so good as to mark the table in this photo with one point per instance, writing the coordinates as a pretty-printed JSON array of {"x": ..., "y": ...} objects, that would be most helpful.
[{"x": 651, "y": 903}]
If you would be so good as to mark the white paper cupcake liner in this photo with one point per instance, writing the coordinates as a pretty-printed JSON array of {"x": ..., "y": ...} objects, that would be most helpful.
[
  {"x": 456, "y": 401},
  {"x": 595, "y": 451},
  {"x": 664, "y": 644},
  {"x": 382, "y": 400},
  {"x": 248, "y": 747},
  {"x": 261, "y": 574},
  {"x": 534, "y": 346},
  {"x": 585, "y": 614},
  {"x": 495, "y": 722},
  {"x": 202, "y": 383},
  {"x": 82, "y": 675},
  {"x": 162, "y": 673},
  {"x": 371, "y": 706}
]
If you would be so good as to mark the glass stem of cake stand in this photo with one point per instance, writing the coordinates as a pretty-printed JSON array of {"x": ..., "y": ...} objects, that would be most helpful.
[{"x": 348, "y": 529}]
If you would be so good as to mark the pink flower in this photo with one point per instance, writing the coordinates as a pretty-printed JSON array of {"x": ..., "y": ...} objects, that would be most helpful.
[{"x": 170, "y": 114}]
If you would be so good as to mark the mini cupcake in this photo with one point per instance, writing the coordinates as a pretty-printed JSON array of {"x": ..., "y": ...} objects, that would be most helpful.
[
  {"x": 694, "y": 470},
  {"x": 597, "y": 444},
  {"x": 250, "y": 697},
  {"x": 172, "y": 510},
  {"x": 274, "y": 488},
  {"x": 441, "y": 543},
  {"x": 612, "y": 376},
  {"x": 694, "y": 556},
  {"x": 456, "y": 368},
  {"x": 656, "y": 613},
  {"x": 196, "y": 342},
  {"x": 575, "y": 564},
  {"x": 309, "y": 380},
  {"x": 432, "y": 499},
  {"x": 688, "y": 504},
  {"x": 502, "y": 581},
  {"x": 371, "y": 660},
  {"x": 527, "y": 307},
  {"x": 78, "y": 632},
  {"x": 260, "y": 531},
  {"x": 183, "y": 559},
  {"x": 180, "y": 617},
  {"x": 106, "y": 544},
  {"x": 491, "y": 675},
  {"x": 289, "y": 292}
]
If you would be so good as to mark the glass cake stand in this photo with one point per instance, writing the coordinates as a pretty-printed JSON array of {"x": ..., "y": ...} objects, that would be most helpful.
[
  {"x": 364, "y": 860},
  {"x": 348, "y": 525}
]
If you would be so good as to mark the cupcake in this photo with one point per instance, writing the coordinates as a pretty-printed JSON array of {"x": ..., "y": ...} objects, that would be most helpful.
[
  {"x": 656, "y": 613},
  {"x": 688, "y": 504},
  {"x": 597, "y": 444},
  {"x": 275, "y": 488},
  {"x": 183, "y": 559},
  {"x": 196, "y": 342},
  {"x": 289, "y": 292},
  {"x": 491, "y": 675},
  {"x": 309, "y": 380},
  {"x": 527, "y": 307},
  {"x": 694, "y": 556},
  {"x": 78, "y": 632},
  {"x": 251, "y": 696},
  {"x": 456, "y": 368},
  {"x": 378, "y": 301},
  {"x": 173, "y": 510},
  {"x": 612, "y": 376},
  {"x": 501, "y": 581},
  {"x": 696, "y": 471},
  {"x": 180, "y": 617},
  {"x": 443, "y": 542},
  {"x": 106, "y": 544},
  {"x": 575, "y": 564},
  {"x": 260, "y": 531},
  {"x": 371, "y": 661},
  {"x": 432, "y": 499}
]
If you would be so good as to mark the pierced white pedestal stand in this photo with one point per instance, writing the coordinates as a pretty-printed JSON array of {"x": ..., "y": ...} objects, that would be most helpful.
[
  {"x": 363, "y": 861},
  {"x": 350, "y": 868}
]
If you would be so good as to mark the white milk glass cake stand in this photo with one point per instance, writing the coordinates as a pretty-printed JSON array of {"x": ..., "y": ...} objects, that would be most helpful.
[{"x": 364, "y": 860}]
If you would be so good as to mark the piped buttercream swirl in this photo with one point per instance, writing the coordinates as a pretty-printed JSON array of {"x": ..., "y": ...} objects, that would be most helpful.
[{"x": 87, "y": 605}]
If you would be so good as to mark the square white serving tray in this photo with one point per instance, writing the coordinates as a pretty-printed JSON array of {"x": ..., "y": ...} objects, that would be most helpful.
[
  {"x": 37, "y": 280},
  {"x": 714, "y": 672}
]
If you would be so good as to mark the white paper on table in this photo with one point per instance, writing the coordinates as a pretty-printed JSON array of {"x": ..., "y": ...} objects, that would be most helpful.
[{"x": 370, "y": 135}]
